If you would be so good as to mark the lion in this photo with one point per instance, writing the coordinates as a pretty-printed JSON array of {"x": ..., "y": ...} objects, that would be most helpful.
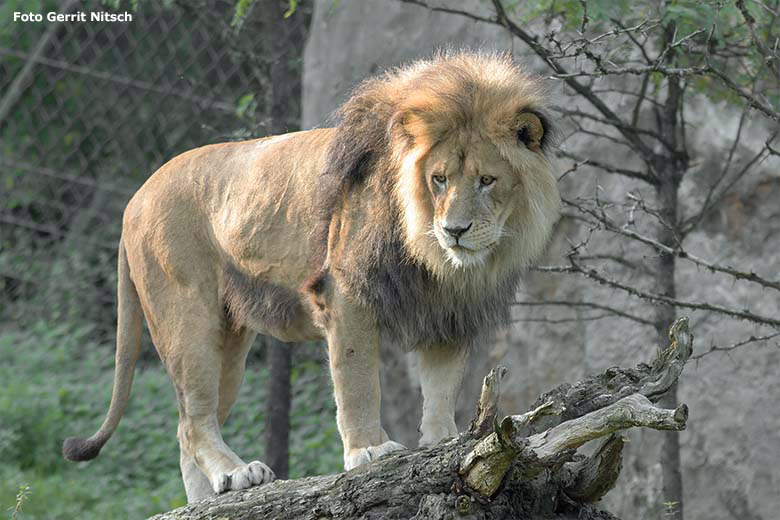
[{"x": 411, "y": 221}]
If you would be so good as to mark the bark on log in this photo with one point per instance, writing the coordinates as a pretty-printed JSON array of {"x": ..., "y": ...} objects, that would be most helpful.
[{"x": 524, "y": 466}]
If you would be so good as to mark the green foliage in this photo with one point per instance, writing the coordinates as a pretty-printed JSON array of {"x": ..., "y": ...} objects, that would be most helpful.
[
  {"x": 23, "y": 494},
  {"x": 8, "y": 7},
  {"x": 240, "y": 12},
  {"x": 689, "y": 15},
  {"x": 57, "y": 382},
  {"x": 291, "y": 9},
  {"x": 711, "y": 28},
  {"x": 246, "y": 105},
  {"x": 242, "y": 6}
]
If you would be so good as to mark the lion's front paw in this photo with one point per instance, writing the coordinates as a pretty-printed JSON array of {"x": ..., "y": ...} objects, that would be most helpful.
[
  {"x": 357, "y": 456},
  {"x": 253, "y": 474}
]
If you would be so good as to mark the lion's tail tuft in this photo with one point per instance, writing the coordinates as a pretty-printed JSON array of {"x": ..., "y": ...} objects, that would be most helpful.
[
  {"x": 77, "y": 449},
  {"x": 128, "y": 345}
]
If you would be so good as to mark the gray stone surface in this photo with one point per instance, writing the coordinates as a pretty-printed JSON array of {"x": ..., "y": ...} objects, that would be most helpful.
[{"x": 731, "y": 452}]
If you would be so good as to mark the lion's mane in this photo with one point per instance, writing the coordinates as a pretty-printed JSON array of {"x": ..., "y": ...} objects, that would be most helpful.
[{"x": 420, "y": 300}]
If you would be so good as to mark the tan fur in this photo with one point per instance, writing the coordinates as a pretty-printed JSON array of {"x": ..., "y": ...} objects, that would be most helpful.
[{"x": 337, "y": 233}]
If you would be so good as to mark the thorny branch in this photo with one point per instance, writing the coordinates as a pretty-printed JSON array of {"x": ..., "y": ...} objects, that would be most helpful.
[
  {"x": 600, "y": 218},
  {"x": 734, "y": 346},
  {"x": 613, "y": 311},
  {"x": 651, "y": 297}
]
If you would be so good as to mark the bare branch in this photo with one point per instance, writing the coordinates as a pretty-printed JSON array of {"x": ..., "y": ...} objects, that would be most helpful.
[
  {"x": 677, "y": 250},
  {"x": 448, "y": 10},
  {"x": 691, "y": 222},
  {"x": 633, "y": 174},
  {"x": 593, "y": 117},
  {"x": 752, "y": 339},
  {"x": 753, "y": 101},
  {"x": 658, "y": 298},
  {"x": 558, "y": 321},
  {"x": 771, "y": 56},
  {"x": 590, "y": 305},
  {"x": 637, "y": 71},
  {"x": 585, "y": 91}
]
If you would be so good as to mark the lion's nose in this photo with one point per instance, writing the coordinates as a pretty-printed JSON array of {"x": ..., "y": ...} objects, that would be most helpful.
[{"x": 456, "y": 232}]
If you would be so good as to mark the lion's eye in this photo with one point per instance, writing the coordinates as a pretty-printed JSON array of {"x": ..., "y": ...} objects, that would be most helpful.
[
  {"x": 439, "y": 179},
  {"x": 487, "y": 180}
]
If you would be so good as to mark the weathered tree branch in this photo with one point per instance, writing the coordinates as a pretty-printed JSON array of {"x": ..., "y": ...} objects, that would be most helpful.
[
  {"x": 523, "y": 466},
  {"x": 592, "y": 477}
]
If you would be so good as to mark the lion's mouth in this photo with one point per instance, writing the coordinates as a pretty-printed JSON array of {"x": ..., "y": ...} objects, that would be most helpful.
[
  {"x": 459, "y": 248},
  {"x": 461, "y": 256}
]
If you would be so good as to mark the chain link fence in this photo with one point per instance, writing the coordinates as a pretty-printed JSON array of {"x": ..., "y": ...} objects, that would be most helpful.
[{"x": 87, "y": 112}]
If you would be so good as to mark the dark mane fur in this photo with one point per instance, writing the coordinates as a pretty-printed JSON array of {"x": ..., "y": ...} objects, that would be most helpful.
[
  {"x": 360, "y": 143},
  {"x": 412, "y": 307}
]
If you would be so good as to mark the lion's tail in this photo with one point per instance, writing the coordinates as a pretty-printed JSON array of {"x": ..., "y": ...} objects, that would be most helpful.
[{"x": 128, "y": 345}]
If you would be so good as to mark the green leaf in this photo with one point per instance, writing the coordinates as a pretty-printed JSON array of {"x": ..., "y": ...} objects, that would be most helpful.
[
  {"x": 240, "y": 12},
  {"x": 244, "y": 104},
  {"x": 291, "y": 10}
]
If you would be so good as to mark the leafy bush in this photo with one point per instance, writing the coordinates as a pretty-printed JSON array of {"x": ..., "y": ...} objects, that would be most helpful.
[{"x": 57, "y": 382}]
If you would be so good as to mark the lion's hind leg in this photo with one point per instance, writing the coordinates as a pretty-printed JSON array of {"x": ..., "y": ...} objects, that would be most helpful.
[
  {"x": 235, "y": 347},
  {"x": 205, "y": 360},
  {"x": 207, "y": 378}
]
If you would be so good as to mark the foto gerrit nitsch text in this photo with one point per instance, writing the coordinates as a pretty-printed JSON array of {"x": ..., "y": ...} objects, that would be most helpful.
[{"x": 79, "y": 16}]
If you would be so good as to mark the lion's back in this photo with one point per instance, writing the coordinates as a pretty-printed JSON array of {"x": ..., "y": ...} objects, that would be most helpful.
[{"x": 252, "y": 202}]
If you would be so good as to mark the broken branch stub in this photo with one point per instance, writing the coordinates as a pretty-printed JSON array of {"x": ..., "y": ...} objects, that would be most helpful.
[
  {"x": 592, "y": 477},
  {"x": 670, "y": 362},
  {"x": 488, "y": 402}
]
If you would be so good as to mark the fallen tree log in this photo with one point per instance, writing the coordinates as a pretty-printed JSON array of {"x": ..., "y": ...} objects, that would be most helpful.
[{"x": 523, "y": 466}]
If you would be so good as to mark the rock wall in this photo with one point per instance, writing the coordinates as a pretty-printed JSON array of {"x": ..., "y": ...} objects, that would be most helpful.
[{"x": 731, "y": 452}]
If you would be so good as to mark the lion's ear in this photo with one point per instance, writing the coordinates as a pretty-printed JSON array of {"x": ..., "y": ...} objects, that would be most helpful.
[
  {"x": 530, "y": 130},
  {"x": 397, "y": 132},
  {"x": 408, "y": 128},
  {"x": 417, "y": 128}
]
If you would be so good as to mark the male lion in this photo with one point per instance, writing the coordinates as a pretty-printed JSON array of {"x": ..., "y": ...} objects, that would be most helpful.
[{"x": 412, "y": 221}]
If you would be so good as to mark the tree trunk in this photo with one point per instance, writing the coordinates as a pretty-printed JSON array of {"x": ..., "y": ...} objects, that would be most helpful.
[
  {"x": 672, "y": 484},
  {"x": 522, "y": 466},
  {"x": 670, "y": 166},
  {"x": 277, "y": 419}
]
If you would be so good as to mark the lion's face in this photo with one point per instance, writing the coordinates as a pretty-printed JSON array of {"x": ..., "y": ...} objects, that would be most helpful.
[
  {"x": 471, "y": 193},
  {"x": 479, "y": 193}
]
